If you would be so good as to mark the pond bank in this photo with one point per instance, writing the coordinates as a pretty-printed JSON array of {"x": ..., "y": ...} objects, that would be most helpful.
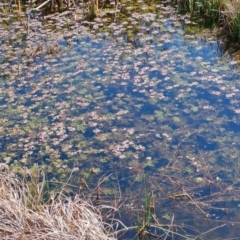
[
  {"x": 221, "y": 14},
  {"x": 26, "y": 212}
]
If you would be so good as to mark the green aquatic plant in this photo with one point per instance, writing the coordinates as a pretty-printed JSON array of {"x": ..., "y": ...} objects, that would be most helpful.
[
  {"x": 144, "y": 220},
  {"x": 149, "y": 162},
  {"x": 93, "y": 8},
  {"x": 60, "y": 5},
  {"x": 194, "y": 108},
  {"x": 191, "y": 6},
  {"x": 176, "y": 119},
  {"x": 159, "y": 115}
]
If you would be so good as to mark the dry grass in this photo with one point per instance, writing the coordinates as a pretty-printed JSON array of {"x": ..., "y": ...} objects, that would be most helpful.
[
  {"x": 231, "y": 17},
  {"x": 23, "y": 214}
]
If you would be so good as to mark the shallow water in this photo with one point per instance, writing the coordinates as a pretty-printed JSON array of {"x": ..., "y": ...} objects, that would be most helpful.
[{"x": 140, "y": 96}]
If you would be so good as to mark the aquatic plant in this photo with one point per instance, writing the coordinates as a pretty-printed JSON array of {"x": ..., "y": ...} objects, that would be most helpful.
[
  {"x": 148, "y": 210},
  {"x": 223, "y": 12},
  {"x": 231, "y": 18},
  {"x": 141, "y": 95}
]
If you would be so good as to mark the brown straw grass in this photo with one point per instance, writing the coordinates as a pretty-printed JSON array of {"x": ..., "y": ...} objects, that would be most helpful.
[{"x": 62, "y": 217}]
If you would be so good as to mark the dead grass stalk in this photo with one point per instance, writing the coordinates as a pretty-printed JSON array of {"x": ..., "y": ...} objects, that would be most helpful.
[{"x": 24, "y": 215}]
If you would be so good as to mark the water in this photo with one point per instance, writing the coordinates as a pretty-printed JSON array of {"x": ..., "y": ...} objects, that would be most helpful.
[{"x": 133, "y": 99}]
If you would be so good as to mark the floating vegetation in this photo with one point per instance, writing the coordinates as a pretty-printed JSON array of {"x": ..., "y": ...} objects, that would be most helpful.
[{"x": 135, "y": 96}]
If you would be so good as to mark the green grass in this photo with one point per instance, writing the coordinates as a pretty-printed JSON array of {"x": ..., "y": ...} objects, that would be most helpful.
[
  {"x": 231, "y": 18},
  {"x": 226, "y": 13}
]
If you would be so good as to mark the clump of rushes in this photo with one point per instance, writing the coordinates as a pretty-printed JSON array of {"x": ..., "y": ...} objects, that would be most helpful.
[
  {"x": 224, "y": 12},
  {"x": 231, "y": 17},
  {"x": 206, "y": 8},
  {"x": 25, "y": 215}
]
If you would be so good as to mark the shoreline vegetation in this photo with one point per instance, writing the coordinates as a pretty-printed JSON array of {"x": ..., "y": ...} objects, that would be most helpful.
[
  {"x": 225, "y": 14},
  {"x": 32, "y": 208},
  {"x": 29, "y": 211}
]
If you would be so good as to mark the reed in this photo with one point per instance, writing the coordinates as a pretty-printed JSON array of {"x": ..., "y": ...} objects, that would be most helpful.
[
  {"x": 19, "y": 7},
  {"x": 231, "y": 18},
  {"x": 226, "y": 13},
  {"x": 93, "y": 8}
]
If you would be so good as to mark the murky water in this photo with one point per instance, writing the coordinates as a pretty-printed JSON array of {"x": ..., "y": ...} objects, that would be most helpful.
[{"x": 140, "y": 96}]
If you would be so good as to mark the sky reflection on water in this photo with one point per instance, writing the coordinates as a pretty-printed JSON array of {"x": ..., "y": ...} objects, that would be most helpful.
[{"x": 154, "y": 100}]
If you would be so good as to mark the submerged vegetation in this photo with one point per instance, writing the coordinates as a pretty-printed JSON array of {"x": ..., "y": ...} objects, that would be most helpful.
[{"x": 125, "y": 88}]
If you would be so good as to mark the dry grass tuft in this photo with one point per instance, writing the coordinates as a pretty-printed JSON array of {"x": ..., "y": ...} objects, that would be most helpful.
[{"x": 23, "y": 215}]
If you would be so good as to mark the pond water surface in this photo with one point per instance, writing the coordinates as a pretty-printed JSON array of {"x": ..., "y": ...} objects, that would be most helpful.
[{"x": 141, "y": 99}]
